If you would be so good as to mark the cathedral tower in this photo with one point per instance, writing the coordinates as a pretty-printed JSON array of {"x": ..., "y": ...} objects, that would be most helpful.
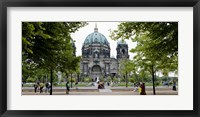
[{"x": 122, "y": 49}]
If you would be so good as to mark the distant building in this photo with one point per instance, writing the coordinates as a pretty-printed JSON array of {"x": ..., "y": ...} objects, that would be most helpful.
[{"x": 96, "y": 60}]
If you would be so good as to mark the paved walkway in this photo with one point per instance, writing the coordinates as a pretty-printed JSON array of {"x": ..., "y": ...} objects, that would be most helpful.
[{"x": 106, "y": 91}]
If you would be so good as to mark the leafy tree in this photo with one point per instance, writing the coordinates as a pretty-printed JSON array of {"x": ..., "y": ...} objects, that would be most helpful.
[
  {"x": 157, "y": 45},
  {"x": 125, "y": 68},
  {"x": 115, "y": 80},
  {"x": 47, "y": 45},
  {"x": 163, "y": 34},
  {"x": 72, "y": 66}
]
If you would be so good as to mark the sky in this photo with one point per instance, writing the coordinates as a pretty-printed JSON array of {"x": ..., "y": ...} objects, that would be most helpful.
[{"x": 103, "y": 28}]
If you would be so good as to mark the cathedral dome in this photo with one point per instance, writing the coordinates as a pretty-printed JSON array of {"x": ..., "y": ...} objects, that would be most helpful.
[{"x": 96, "y": 38}]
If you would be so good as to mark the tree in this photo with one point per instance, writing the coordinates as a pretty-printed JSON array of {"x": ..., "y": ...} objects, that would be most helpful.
[
  {"x": 72, "y": 66},
  {"x": 126, "y": 67},
  {"x": 163, "y": 34},
  {"x": 48, "y": 44},
  {"x": 157, "y": 45}
]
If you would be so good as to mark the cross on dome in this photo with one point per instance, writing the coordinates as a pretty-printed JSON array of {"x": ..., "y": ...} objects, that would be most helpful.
[{"x": 95, "y": 29}]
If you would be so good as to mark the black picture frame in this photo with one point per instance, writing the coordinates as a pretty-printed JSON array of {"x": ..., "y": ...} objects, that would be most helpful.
[{"x": 99, "y": 3}]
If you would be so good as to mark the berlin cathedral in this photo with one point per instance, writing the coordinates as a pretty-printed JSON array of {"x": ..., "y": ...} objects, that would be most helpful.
[{"x": 96, "y": 61}]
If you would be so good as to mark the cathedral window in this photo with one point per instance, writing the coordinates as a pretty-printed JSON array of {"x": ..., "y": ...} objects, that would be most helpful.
[
  {"x": 96, "y": 40},
  {"x": 123, "y": 51}
]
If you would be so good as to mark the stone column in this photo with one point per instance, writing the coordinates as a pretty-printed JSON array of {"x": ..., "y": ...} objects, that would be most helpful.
[
  {"x": 83, "y": 67},
  {"x": 109, "y": 68}
]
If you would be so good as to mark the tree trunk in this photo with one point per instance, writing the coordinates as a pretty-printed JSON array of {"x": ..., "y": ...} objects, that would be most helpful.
[
  {"x": 71, "y": 80},
  {"x": 78, "y": 78},
  {"x": 51, "y": 82},
  {"x": 153, "y": 79},
  {"x": 126, "y": 80}
]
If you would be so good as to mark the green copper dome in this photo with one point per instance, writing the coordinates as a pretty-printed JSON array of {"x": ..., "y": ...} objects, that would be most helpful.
[{"x": 96, "y": 37}]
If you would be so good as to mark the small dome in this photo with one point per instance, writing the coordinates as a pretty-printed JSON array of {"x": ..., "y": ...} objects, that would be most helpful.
[
  {"x": 122, "y": 41},
  {"x": 96, "y": 37}
]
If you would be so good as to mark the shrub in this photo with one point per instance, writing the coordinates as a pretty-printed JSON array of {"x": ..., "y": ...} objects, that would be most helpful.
[
  {"x": 157, "y": 83},
  {"x": 55, "y": 83},
  {"x": 170, "y": 83},
  {"x": 87, "y": 79},
  {"x": 115, "y": 80},
  {"x": 108, "y": 79}
]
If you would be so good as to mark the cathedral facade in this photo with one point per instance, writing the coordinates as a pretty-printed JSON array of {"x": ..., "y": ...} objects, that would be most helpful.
[{"x": 96, "y": 61}]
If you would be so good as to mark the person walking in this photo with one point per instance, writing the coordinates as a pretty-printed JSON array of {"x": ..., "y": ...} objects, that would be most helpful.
[
  {"x": 76, "y": 84},
  {"x": 136, "y": 87},
  {"x": 41, "y": 87},
  {"x": 174, "y": 86},
  {"x": 143, "y": 92},
  {"x": 67, "y": 88},
  {"x": 47, "y": 87},
  {"x": 35, "y": 87}
]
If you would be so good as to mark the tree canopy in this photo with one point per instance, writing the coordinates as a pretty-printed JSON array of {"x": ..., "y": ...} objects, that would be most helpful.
[
  {"x": 157, "y": 45},
  {"x": 157, "y": 42},
  {"x": 48, "y": 45}
]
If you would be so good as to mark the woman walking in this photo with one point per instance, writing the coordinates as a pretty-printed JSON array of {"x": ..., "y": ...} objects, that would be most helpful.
[{"x": 143, "y": 92}]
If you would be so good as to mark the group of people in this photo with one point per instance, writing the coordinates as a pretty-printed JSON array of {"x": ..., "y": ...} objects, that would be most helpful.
[
  {"x": 140, "y": 87},
  {"x": 39, "y": 86}
]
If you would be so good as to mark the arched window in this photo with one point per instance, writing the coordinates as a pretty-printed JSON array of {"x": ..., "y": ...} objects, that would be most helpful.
[
  {"x": 96, "y": 68},
  {"x": 123, "y": 51}
]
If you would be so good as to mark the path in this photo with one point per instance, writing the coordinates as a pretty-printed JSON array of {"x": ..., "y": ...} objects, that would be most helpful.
[{"x": 106, "y": 90}]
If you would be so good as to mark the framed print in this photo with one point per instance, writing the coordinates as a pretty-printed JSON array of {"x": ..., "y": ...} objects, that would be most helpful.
[{"x": 101, "y": 58}]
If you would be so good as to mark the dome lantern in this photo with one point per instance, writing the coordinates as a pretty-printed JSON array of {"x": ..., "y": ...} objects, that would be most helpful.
[{"x": 95, "y": 29}]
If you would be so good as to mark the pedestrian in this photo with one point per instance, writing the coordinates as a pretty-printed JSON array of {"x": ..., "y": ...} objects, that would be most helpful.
[
  {"x": 35, "y": 87},
  {"x": 67, "y": 88},
  {"x": 174, "y": 86},
  {"x": 47, "y": 87},
  {"x": 76, "y": 84},
  {"x": 136, "y": 88},
  {"x": 143, "y": 92},
  {"x": 41, "y": 87},
  {"x": 108, "y": 83}
]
